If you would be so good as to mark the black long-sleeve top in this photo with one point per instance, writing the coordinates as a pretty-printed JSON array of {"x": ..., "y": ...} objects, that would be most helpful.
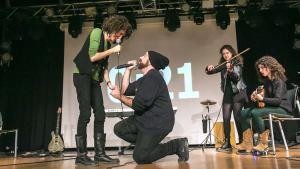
[
  {"x": 276, "y": 94},
  {"x": 235, "y": 78},
  {"x": 152, "y": 104}
]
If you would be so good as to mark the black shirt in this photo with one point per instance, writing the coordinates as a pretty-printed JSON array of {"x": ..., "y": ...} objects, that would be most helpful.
[
  {"x": 152, "y": 104},
  {"x": 276, "y": 94}
]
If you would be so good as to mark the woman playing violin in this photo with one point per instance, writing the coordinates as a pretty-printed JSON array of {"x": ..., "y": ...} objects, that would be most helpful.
[
  {"x": 272, "y": 75},
  {"x": 234, "y": 89}
]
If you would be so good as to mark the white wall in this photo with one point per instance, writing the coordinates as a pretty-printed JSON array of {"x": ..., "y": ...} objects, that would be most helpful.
[{"x": 193, "y": 45}]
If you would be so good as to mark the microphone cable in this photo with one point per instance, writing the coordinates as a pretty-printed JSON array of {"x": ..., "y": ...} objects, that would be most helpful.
[{"x": 204, "y": 142}]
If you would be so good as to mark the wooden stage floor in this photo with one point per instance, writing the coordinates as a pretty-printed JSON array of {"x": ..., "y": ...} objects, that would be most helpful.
[{"x": 209, "y": 159}]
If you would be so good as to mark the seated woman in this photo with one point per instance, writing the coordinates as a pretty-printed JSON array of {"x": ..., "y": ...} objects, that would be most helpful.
[{"x": 274, "y": 99}]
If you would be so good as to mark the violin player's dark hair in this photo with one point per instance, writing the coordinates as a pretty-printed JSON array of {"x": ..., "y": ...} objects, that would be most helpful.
[{"x": 232, "y": 51}]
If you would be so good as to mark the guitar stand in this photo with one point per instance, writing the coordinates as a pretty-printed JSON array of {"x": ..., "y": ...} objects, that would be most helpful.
[{"x": 57, "y": 154}]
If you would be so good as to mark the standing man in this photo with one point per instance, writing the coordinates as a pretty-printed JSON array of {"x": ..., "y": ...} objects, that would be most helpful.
[
  {"x": 153, "y": 117},
  {"x": 91, "y": 70}
]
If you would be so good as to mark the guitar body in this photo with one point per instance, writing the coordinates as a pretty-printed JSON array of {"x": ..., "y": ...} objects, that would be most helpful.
[
  {"x": 56, "y": 144},
  {"x": 260, "y": 90}
]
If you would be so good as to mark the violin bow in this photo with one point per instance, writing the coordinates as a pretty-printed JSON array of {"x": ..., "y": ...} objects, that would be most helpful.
[{"x": 232, "y": 58}]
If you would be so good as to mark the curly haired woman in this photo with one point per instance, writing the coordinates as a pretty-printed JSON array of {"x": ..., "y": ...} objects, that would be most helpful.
[{"x": 272, "y": 74}]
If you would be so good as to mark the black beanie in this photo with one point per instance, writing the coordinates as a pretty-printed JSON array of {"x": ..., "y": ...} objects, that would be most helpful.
[{"x": 157, "y": 60}]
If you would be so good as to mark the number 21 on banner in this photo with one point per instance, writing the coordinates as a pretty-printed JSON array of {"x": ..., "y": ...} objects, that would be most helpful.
[{"x": 185, "y": 70}]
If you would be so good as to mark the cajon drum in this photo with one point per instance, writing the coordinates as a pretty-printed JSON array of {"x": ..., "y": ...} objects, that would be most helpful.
[{"x": 219, "y": 134}]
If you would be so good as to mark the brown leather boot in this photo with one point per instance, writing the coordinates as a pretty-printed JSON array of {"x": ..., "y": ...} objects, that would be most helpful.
[
  {"x": 263, "y": 141},
  {"x": 247, "y": 144}
]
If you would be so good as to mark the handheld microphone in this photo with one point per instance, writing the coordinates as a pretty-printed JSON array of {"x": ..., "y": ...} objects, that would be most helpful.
[
  {"x": 124, "y": 65},
  {"x": 118, "y": 41}
]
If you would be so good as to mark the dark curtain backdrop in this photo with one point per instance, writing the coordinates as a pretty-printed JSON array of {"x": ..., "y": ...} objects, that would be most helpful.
[
  {"x": 31, "y": 88},
  {"x": 277, "y": 41},
  {"x": 268, "y": 39}
]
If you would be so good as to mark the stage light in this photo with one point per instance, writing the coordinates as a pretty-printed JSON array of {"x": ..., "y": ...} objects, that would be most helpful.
[
  {"x": 198, "y": 17},
  {"x": 253, "y": 16},
  {"x": 297, "y": 29},
  {"x": 185, "y": 7},
  {"x": 5, "y": 46},
  {"x": 90, "y": 11},
  {"x": 75, "y": 26},
  {"x": 242, "y": 2},
  {"x": 111, "y": 10},
  {"x": 223, "y": 18},
  {"x": 172, "y": 21},
  {"x": 208, "y": 4},
  {"x": 6, "y": 58},
  {"x": 49, "y": 12},
  {"x": 267, "y": 3},
  {"x": 1, "y": 122},
  {"x": 280, "y": 17},
  {"x": 296, "y": 44}
]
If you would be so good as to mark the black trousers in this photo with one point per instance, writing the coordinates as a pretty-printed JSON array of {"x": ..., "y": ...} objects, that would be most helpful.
[
  {"x": 89, "y": 95},
  {"x": 147, "y": 146},
  {"x": 233, "y": 103}
]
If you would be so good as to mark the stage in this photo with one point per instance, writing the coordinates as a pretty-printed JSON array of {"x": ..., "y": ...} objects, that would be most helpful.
[{"x": 207, "y": 159}]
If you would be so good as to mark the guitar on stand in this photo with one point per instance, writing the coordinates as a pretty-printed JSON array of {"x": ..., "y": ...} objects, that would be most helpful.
[{"x": 56, "y": 144}]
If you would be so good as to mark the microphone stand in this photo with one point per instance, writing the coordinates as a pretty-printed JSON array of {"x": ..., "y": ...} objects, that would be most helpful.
[{"x": 209, "y": 119}]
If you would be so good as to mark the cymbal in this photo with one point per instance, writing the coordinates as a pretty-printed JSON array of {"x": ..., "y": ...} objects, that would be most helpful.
[
  {"x": 206, "y": 113},
  {"x": 208, "y": 102}
]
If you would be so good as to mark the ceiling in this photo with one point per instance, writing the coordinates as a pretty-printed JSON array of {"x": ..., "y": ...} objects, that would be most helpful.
[{"x": 61, "y": 10}]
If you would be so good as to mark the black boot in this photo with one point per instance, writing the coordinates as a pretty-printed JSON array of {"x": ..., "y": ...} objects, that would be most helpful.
[
  {"x": 226, "y": 146},
  {"x": 82, "y": 157},
  {"x": 180, "y": 147},
  {"x": 100, "y": 156}
]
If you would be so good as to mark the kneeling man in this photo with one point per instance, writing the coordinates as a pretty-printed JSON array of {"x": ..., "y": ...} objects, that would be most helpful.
[{"x": 153, "y": 117}]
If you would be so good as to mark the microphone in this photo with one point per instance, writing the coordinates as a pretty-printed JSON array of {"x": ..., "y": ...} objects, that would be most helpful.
[
  {"x": 118, "y": 41},
  {"x": 124, "y": 65}
]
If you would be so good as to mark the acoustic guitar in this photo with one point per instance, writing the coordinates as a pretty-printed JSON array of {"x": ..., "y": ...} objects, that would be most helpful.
[
  {"x": 56, "y": 144},
  {"x": 261, "y": 91}
]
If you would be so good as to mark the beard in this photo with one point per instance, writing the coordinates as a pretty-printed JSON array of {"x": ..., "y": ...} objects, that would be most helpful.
[{"x": 142, "y": 65}]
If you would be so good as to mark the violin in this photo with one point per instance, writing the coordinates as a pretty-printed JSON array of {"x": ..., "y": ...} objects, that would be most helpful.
[{"x": 234, "y": 61}]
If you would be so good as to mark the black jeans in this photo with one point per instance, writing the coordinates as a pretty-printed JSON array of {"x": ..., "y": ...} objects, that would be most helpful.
[
  {"x": 89, "y": 95},
  {"x": 147, "y": 146}
]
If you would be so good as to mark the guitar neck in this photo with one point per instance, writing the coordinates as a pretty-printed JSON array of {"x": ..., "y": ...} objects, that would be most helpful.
[{"x": 57, "y": 123}]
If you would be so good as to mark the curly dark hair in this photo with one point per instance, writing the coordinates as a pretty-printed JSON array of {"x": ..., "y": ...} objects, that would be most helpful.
[
  {"x": 232, "y": 51},
  {"x": 117, "y": 23},
  {"x": 277, "y": 70}
]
